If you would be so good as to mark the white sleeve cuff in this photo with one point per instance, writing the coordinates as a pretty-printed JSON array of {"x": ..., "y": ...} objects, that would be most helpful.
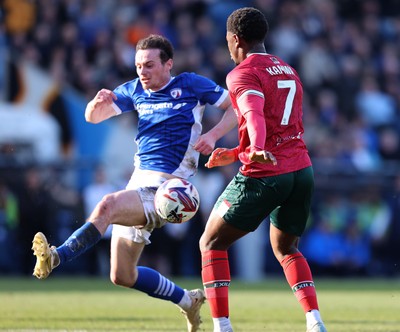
[
  {"x": 222, "y": 98},
  {"x": 116, "y": 108}
]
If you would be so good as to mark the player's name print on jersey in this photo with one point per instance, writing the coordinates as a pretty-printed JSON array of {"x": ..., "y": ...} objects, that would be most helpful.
[{"x": 279, "y": 69}]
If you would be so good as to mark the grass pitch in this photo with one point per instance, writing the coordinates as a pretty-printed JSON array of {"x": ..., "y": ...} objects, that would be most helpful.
[{"x": 85, "y": 304}]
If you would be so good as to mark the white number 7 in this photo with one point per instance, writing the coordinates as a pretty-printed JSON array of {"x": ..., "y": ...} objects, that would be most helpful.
[{"x": 291, "y": 85}]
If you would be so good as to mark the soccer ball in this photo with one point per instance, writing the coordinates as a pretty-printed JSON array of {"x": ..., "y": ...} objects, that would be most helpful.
[{"x": 177, "y": 201}]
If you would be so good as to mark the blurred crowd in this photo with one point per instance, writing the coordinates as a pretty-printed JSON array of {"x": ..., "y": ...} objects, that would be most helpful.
[{"x": 347, "y": 53}]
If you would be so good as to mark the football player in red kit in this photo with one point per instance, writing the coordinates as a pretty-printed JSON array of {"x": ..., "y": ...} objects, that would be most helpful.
[{"x": 276, "y": 177}]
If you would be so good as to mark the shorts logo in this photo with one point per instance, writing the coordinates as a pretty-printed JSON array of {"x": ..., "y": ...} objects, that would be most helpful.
[
  {"x": 223, "y": 208},
  {"x": 176, "y": 93}
]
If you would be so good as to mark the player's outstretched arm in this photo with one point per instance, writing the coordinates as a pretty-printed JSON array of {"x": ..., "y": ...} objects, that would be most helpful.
[
  {"x": 206, "y": 142},
  {"x": 100, "y": 107},
  {"x": 222, "y": 157}
]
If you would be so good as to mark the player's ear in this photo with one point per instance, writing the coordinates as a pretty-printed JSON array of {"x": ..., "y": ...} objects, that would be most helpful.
[
  {"x": 239, "y": 42},
  {"x": 237, "y": 39},
  {"x": 169, "y": 64}
]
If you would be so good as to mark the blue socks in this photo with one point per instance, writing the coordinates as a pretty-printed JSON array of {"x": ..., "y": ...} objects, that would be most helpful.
[
  {"x": 79, "y": 242},
  {"x": 154, "y": 284},
  {"x": 148, "y": 281}
]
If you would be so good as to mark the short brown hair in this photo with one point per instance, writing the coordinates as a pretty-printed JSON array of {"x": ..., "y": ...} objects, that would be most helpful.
[
  {"x": 157, "y": 42},
  {"x": 248, "y": 23}
]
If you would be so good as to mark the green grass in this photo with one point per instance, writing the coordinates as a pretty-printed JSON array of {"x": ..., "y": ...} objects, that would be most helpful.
[{"x": 84, "y": 304}]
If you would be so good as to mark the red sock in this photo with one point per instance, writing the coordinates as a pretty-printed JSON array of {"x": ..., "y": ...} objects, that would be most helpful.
[
  {"x": 216, "y": 279},
  {"x": 299, "y": 277}
]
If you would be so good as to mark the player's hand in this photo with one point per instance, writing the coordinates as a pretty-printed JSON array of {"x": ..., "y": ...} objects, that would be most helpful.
[
  {"x": 264, "y": 157},
  {"x": 221, "y": 157},
  {"x": 205, "y": 144},
  {"x": 104, "y": 96},
  {"x": 100, "y": 107}
]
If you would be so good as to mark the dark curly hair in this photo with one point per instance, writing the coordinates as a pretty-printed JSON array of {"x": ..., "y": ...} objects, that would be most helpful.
[
  {"x": 248, "y": 23},
  {"x": 157, "y": 42}
]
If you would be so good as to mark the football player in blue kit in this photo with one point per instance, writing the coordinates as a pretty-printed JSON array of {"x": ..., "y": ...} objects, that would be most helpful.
[{"x": 169, "y": 139}]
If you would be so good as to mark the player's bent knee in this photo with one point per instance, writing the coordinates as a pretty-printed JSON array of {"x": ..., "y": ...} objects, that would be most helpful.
[
  {"x": 281, "y": 252},
  {"x": 203, "y": 244},
  {"x": 206, "y": 244},
  {"x": 108, "y": 205}
]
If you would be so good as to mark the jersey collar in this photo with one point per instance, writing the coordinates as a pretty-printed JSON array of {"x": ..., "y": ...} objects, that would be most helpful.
[
  {"x": 249, "y": 54},
  {"x": 170, "y": 80}
]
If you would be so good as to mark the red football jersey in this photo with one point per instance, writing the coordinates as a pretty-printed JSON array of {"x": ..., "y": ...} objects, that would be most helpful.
[{"x": 279, "y": 84}]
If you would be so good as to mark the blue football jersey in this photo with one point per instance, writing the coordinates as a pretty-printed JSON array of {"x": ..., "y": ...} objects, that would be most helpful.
[{"x": 169, "y": 121}]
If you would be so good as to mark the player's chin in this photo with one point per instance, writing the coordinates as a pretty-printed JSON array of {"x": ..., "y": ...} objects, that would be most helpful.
[{"x": 145, "y": 84}]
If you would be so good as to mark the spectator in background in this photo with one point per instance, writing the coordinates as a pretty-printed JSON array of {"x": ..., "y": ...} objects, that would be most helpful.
[
  {"x": 354, "y": 230},
  {"x": 375, "y": 107},
  {"x": 389, "y": 143},
  {"x": 363, "y": 152},
  {"x": 9, "y": 220},
  {"x": 317, "y": 65},
  {"x": 346, "y": 248},
  {"x": 373, "y": 219}
]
